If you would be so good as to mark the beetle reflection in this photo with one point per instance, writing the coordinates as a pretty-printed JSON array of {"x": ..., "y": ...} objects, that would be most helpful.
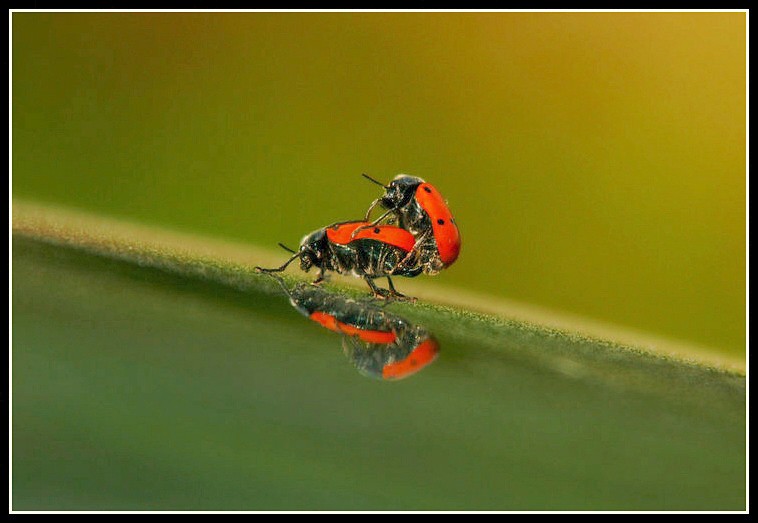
[{"x": 378, "y": 343}]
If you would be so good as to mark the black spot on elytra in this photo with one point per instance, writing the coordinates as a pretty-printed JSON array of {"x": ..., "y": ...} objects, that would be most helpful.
[
  {"x": 377, "y": 230},
  {"x": 427, "y": 189},
  {"x": 441, "y": 221}
]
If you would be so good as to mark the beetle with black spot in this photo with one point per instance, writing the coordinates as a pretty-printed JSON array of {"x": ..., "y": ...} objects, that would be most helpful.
[
  {"x": 361, "y": 249},
  {"x": 419, "y": 208}
]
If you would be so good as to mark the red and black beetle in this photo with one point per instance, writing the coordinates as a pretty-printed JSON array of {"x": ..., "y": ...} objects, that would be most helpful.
[
  {"x": 378, "y": 343},
  {"x": 361, "y": 249},
  {"x": 420, "y": 209}
]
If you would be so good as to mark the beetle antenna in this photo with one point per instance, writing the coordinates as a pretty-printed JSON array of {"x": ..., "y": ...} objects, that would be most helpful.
[
  {"x": 279, "y": 269},
  {"x": 280, "y": 280},
  {"x": 287, "y": 248},
  {"x": 375, "y": 181}
]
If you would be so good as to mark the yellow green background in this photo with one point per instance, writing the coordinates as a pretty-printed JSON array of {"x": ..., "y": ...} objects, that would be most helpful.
[{"x": 595, "y": 162}]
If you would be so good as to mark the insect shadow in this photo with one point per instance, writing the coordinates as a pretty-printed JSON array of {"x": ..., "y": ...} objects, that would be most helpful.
[{"x": 379, "y": 344}]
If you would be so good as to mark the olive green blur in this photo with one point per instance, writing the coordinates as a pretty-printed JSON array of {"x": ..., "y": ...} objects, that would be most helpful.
[
  {"x": 138, "y": 389},
  {"x": 595, "y": 162}
]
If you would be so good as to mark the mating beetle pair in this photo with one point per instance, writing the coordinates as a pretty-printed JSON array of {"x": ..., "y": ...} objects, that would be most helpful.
[
  {"x": 426, "y": 238},
  {"x": 380, "y": 344}
]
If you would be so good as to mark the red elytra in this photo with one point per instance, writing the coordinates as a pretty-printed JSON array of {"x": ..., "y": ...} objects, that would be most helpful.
[
  {"x": 390, "y": 235},
  {"x": 419, "y": 358},
  {"x": 333, "y": 324},
  {"x": 445, "y": 231},
  {"x": 342, "y": 234}
]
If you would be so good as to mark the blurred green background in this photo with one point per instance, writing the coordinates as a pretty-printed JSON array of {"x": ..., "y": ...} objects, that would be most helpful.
[{"x": 594, "y": 162}]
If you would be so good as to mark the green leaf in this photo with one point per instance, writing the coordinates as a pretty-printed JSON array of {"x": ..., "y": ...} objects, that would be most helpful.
[{"x": 151, "y": 373}]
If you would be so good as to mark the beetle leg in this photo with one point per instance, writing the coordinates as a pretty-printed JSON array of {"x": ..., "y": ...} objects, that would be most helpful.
[
  {"x": 320, "y": 278},
  {"x": 383, "y": 216},
  {"x": 413, "y": 251},
  {"x": 396, "y": 294},
  {"x": 393, "y": 291},
  {"x": 371, "y": 208},
  {"x": 378, "y": 293},
  {"x": 374, "y": 223}
]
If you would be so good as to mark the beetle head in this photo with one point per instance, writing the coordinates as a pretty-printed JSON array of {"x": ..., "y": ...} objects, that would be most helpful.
[
  {"x": 400, "y": 191},
  {"x": 312, "y": 249}
]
